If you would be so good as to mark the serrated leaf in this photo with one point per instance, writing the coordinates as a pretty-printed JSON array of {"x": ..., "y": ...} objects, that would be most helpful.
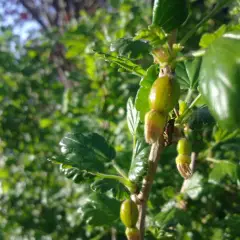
[
  {"x": 172, "y": 217},
  {"x": 75, "y": 174},
  {"x": 86, "y": 152},
  {"x": 219, "y": 80},
  {"x": 130, "y": 48},
  {"x": 133, "y": 117},
  {"x": 141, "y": 101},
  {"x": 221, "y": 134},
  {"x": 100, "y": 210},
  {"x": 187, "y": 73},
  {"x": 208, "y": 38},
  {"x": 193, "y": 186},
  {"x": 139, "y": 162},
  {"x": 111, "y": 187},
  {"x": 154, "y": 35},
  {"x": 169, "y": 14},
  {"x": 223, "y": 169},
  {"x": 123, "y": 63}
]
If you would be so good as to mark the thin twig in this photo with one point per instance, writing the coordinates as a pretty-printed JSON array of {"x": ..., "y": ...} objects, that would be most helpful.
[
  {"x": 214, "y": 11},
  {"x": 154, "y": 157}
]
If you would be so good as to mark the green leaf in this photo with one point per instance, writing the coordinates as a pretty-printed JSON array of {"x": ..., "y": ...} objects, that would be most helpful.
[
  {"x": 168, "y": 193},
  {"x": 100, "y": 210},
  {"x": 171, "y": 216},
  {"x": 4, "y": 174},
  {"x": 221, "y": 135},
  {"x": 218, "y": 233},
  {"x": 133, "y": 117},
  {"x": 187, "y": 73},
  {"x": 223, "y": 169},
  {"x": 75, "y": 174},
  {"x": 154, "y": 35},
  {"x": 141, "y": 101},
  {"x": 139, "y": 162},
  {"x": 169, "y": 14},
  {"x": 111, "y": 187},
  {"x": 123, "y": 63},
  {"x": 127, "y": 47},
  {"x": 200, "y": 118},
  {"x": 86, "y": 152},
  {"x": 231, "y": 224},
  {"x": 193, "y": 186},
  {"x": 45, "y": 123},
  {"x": 219, "y": 81},
  {"x": 208, "y": 38}
]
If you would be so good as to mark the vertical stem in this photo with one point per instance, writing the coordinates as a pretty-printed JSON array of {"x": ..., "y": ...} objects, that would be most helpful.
[
  {"x": 113, "y": 234},
  {"x": 143, "y": 196}
]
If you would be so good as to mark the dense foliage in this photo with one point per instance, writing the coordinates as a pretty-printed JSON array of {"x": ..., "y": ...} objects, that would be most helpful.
[{"x": 109, "y": 54}]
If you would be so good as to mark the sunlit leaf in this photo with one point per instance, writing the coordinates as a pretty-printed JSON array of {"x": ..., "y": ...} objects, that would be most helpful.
[{"x": 133, "y": 117}]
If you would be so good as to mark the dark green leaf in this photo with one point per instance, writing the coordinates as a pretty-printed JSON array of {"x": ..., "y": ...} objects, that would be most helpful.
[
  {"x": 171, "y": 216},
  {"x": 111, "y": 187},
  {"x": 201, "y": 118},
  {"x": 187, "y": 73},
  {"x": 139, "y": 162},
  {"x": 219, "y": 83},
  {"x": 141, "y": 101},
  {"x": 123, "y": 63},
  {"x": 100, "y": 210},
  {"x": 169, "y": 14},
  {"x": 133, "y": 117},
  {"x": 130, "y": 48},
  {"x": 75, "y": 174},
  {"x": 231, "y": 223},
  {"x": 86, "y": 152}
]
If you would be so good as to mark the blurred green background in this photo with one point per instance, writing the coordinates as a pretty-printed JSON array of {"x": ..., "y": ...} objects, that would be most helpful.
[{"x": 51, "y": 83}]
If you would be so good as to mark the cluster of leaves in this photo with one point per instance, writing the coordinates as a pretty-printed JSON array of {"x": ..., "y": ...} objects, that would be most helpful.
[
  {"x": 36, "y": 199},
  {"x": 36, "y": 111}
]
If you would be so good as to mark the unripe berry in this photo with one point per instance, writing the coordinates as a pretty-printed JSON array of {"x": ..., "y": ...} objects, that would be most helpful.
[
  {"x": 154, "y": 126},
  {"x": 132, "y": 234},
  {"x": 164, "y": 94},
  {"x": 129, "y": 213},
  {"x": 184, "y": 146}
]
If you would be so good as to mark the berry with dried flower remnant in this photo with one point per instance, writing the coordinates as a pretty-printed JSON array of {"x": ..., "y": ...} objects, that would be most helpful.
[
  {"x": 183, "y": 165},
  {"x": 132, "y": 234},
  {"x": 154, "y": 126},
  {"x": 161, "y": 55}
]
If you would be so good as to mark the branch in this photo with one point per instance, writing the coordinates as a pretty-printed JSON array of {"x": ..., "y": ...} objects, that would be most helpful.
[
  {"x": 143, "y": 196},
  {"x": 34, "y": 12}
]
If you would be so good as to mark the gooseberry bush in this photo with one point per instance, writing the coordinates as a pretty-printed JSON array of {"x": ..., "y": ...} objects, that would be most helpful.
[{"x": 184, "y": 125}]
